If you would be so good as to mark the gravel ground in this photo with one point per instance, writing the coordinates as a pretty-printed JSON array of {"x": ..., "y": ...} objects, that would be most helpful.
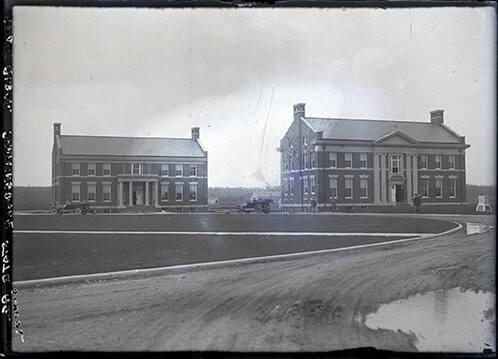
[{"x": 307, "y": 304}]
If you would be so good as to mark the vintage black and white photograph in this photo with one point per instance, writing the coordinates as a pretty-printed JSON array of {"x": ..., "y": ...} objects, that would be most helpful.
[{"x": 299, "y": 179}]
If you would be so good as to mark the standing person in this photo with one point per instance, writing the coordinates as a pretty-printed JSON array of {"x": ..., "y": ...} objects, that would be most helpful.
[
  {"x": 417, "y": 201},
  {"x": 313, "y": 205},
  {"x": 333, "y": 205}
]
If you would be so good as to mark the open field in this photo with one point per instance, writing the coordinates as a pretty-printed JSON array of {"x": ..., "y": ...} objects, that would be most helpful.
[
  {"x": 311, "y": 303},
  {"x": 53, "y": 246}
]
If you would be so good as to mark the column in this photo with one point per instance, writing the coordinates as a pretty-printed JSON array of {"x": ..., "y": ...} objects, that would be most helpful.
[
  {"x": 409, "y": 193},
  {"x": 130, "y": 199},
  {"x": 146, "y": 193},
  {"x": 376, "y": 178},
  {"x": 415, "y": 174},
  {"x": 383, "y": 180},
  {"x": 120, "y": 194},
  {"x": 156, "y": 193}
]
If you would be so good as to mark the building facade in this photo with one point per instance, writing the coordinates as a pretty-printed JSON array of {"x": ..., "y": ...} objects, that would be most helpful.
[
  {"x": 346, "y": 162},
  {"x": 135, "y": 173}
]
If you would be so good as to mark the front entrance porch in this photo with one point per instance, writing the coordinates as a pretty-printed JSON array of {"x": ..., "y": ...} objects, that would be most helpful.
[{"x": 137, "y": 193}]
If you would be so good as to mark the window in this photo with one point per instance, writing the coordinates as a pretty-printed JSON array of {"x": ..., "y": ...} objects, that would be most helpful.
[
  {"x": 136, "y": 168},
  {"x": 363, "y": 188},
  {"x": 305, "y": 185},
  {"x": 106, "y": 189},
  {"x": 304, "y": 141},
  {"x": 91, "y": 190},
  {"x": 291, "y": 185},
  {"x": 75, "y": 169},
  {"x": 313, "y": 159},
  {"x": 91, "y": 169},
  {"x": 333, "y": 188},
  {"x": 193, "y": 191},
  {"x": 179, "y": 191},
  {"x": 287, "y": 163},
  {"x": 437, "y": 161},
  {"x": 348, "y": 160},
  {"x": 107, "y": 169},
  {"x": 451, "y": 160},
  {"x": 306, "y": 160},
  {"x": 193, "y": 170},
  {"x": 439, "y": 188},
  {"x": 284, "y": 187},
  {"x": 424, "y": 186},
  {"x": 178, "y": 170},
  {"x": 164, "y": 191},
  {"x": 164, "y": 169},
  {"x": 452, "y": 189},
  {"x": 313, "y": 185},
  {"x": 348, "y": 188},
  {"x": 363, "y": 160},
  {"x": 75, "y": 192},
  {"x": 395, "y": 164},
  {"x": 333, "y": 159},
  {"x": 423, "y": 161}
]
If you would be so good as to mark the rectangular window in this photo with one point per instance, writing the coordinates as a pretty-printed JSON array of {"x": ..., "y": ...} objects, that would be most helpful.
[
  {"x": 423, "y": 161},
  {"x": 424, "y": 186},
  {"x": 305, "y": 185},
  {"x": 437, "y": 161},
  {"x": 179, "y": 191},
  {"x": 284, "y": 187},
  {"x": 439, "y": 188},
  {"x": 313, "y": 185},
  {"x": 193, "y": 170},
  {"x": 452, "y": 188},
  {"x": 306, "y": 160},
  {"x": 348, "y": 160},
  {"x": 106, "y": 189},
  {"x": 91, "y": 169},
  {"x": 348, "y": 188},
  {"x": 164, "y": 169},
  {"x": 363, "y": 160},
  {"x": 333, "y": 159},
  {"x": 91, "y": 192},
  {"x": 313, "y": 159},
  {"x": 75, "y": 192},
  {"x": 451, "y": 160},
  {"x": 287, "y": 163},
  {"x": 178, "y": 170},
  {"x": 395, "y": 164},
  {"x": 75, "y": 169},
  {"x": 107, "y": 169},
  {"x": 363, "y": 188},
  {"x": 333, "y": 188},
  {"x": 164, "y": 191},
  {"x": 291, "y": 185},
  {"x": 136, "y": 168},
  {"x": 193, "y": 191}
]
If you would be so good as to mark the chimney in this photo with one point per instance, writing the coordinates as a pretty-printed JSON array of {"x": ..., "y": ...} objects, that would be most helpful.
[
  {"x": 437, "y": 117},
  {"x": 57, "y": 129},
  {"x": 195, "y": 133},
  {"x": 299, "y": 110}
]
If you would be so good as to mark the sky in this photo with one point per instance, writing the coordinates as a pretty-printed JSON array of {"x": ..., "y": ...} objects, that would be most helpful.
[{"x": 236, "y": 74}]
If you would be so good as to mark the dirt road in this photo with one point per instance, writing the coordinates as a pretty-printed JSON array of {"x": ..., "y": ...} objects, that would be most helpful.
[{"x": 312, "y": 303}]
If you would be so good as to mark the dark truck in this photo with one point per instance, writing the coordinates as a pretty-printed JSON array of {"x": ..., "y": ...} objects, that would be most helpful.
[
  {"x": 76, "y": 208},
  {"x": 256, "y": 205}
]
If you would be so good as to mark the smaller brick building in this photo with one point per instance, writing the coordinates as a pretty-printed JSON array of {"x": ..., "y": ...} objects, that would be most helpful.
[
  {"x": 346, "y": 162},
  {"x": 118, "y": 173}
]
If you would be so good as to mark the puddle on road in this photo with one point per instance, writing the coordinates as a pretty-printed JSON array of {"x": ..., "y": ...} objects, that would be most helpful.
[
  {"x": 473, "y": 228},
  {"x": 448, "y": 321}
]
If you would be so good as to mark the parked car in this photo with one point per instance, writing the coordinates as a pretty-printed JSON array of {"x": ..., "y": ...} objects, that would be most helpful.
[
  {"x": 76, "y": 208},
  {"x": 256, "y": 205}
]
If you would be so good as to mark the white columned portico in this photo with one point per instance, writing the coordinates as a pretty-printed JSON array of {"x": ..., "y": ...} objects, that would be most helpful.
[
  {"x": 130, "y": 198},
  {"x": 156, "y": 193},
  {"x": 415, "y": 174},
  {"x": 383, "y": 179},
  {"x": 409, "y": 193},
  {"x": 146, "y": 193},
  {"x": 376, "y": 178}
]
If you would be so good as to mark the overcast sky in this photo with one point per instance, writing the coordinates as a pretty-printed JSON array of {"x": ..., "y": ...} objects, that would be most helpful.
[{"x": 236, "y": 74}]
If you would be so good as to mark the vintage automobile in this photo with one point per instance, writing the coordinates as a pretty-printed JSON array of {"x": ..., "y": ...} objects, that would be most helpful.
[
  {"x": 256, "y": 205},
  {"x": 76, "y": 208}
]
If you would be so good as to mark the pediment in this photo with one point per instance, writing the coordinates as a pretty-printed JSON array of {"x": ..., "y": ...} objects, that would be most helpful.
[{"x": 396, "y": 138}]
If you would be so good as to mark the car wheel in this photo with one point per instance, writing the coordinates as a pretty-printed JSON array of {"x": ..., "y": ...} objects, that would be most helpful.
[
  {"x": 53, "y": 210},
  {"x": 77, "y": 210},
  {"x": 258, "y": 208}
]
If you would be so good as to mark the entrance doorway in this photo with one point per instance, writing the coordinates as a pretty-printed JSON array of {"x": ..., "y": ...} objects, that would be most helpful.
[
  {"x": 138, "y": 198},
  {"x": 399, "y": 193}
]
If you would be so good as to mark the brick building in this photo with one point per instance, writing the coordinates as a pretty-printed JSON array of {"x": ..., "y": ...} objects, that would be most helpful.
[
  {"x": 345, "y": 162},
  {"x": 141, "y": 173}
]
